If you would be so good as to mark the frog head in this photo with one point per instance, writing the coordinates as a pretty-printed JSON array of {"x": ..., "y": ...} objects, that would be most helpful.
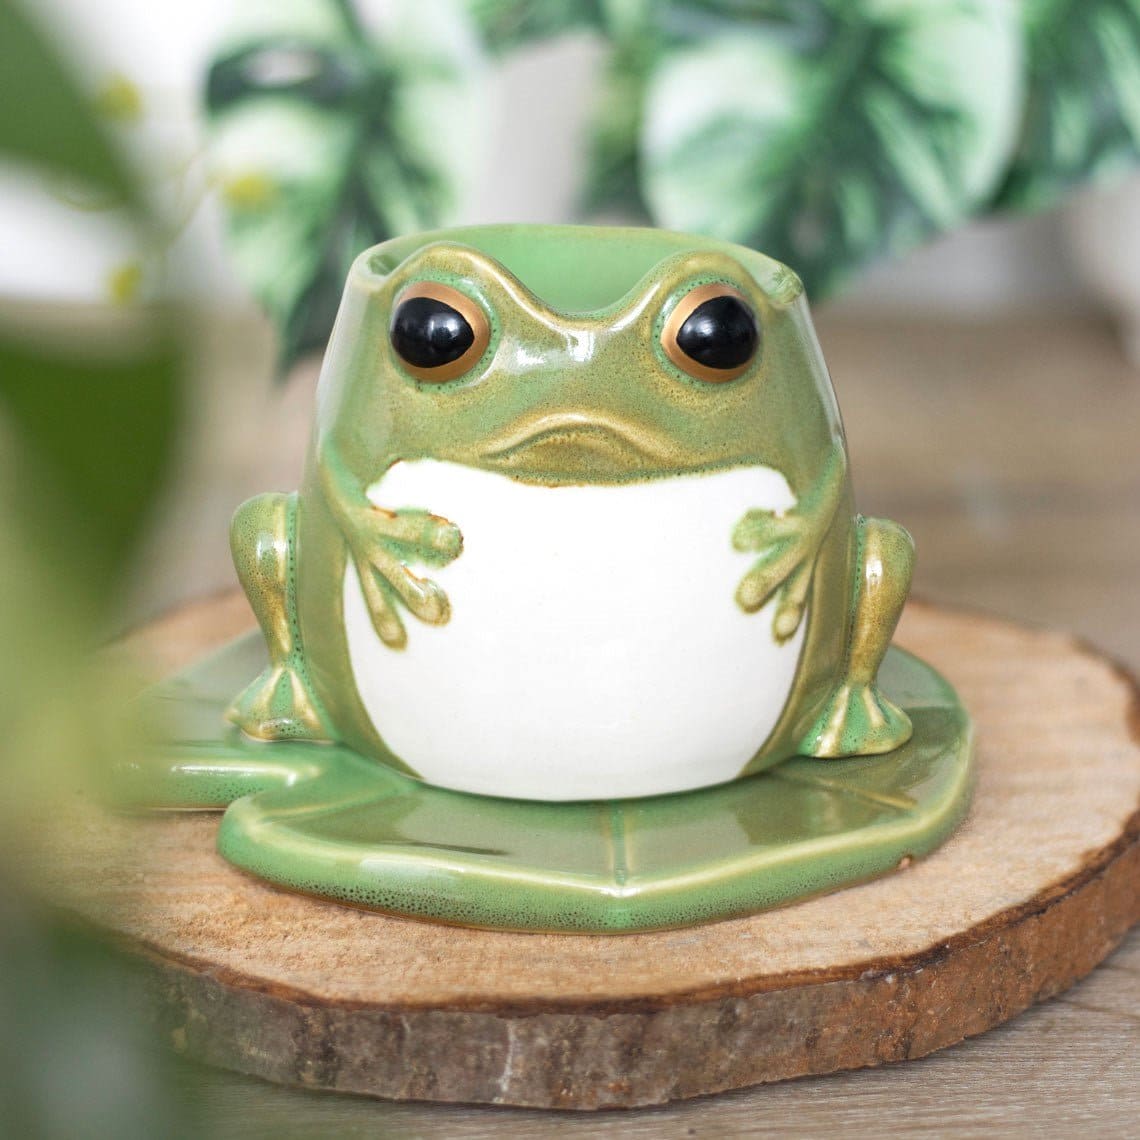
[{"x": 575, "y": 355}]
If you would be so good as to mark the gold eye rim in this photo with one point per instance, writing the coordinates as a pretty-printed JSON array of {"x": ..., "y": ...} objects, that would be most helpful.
[
  {"x": 468, "y": 309},
  {"x": 682, "y": 311}
]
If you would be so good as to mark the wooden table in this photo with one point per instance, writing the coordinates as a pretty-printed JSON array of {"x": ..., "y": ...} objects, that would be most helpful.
[{"x": 1010, "y": 450}]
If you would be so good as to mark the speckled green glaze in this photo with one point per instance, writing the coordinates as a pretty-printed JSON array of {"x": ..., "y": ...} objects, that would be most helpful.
[{"x": 323, "y": 820}]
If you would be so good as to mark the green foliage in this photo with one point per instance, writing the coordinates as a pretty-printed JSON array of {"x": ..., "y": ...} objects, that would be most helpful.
[
  {"x": 74, "y": 1064},
  {"x": 1082, "y": 116},
  {"x": 85, "y": 433},
  {"x": 326, "y": 141},
  {"x": 613, "y": 166},
  {"x": 642, "y": 34},
  {"x": 93, "y": 435},
  {"x": 96, "y": 436},
  {"x": 828, "y": 135},
  {"x": 45, "y": 121}
]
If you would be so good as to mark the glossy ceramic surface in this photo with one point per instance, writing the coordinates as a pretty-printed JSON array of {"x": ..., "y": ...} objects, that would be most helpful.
[
  {"x": 576, "y": 521},
  {"x": 324, "y": 820}
]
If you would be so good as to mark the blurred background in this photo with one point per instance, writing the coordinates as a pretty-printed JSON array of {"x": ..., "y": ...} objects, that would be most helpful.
[
  {"x": 182, "y": 187},
  {"x": 924, "y": 161}
]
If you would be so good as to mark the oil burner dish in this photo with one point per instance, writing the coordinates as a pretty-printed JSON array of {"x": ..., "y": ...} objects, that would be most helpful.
[{"x": 573, "y": 623}]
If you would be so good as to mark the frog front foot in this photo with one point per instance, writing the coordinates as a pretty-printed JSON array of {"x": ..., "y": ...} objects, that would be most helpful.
[
  {"x": 787, "y": 544},
  {"x": 381, "y": 543},
  {"x": 279, "y": 703},
  {"x": 858, "y": 719}
]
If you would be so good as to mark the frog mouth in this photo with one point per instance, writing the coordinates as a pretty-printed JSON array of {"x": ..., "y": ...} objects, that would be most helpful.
[{"x": 572, "y": 445}]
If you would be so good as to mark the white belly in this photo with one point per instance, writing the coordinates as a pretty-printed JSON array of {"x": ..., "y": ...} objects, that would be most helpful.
[{"x": 595, "y": 649}]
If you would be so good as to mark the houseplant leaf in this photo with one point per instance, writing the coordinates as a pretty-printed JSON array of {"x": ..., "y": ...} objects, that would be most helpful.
[
  {"x": 90, "y": 431},
  {"x": 640, "y": 33},
  {"x": 637, "y": 39},
  {"x": 85, "y": 433},
  {"x": 327, "y": 138},
  {"x": 1082, "y": 114},
  {"x": 831, "y": 141},
  {"x": 46, "y": 121}
]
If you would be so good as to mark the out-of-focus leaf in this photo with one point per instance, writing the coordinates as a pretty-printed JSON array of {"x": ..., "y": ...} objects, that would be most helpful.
[
  {"x": 641, "y": 35},
  {"x": 504, "y": 24},
  {"x": 119, "y": 101},
  {"x": 327, "y": 138},
  {"x": 1082, "y": 115},
  {"x": 74, "y": 1063},
  {"x": 613, "y": 165},
  {"x": 92, "y": 432},
  {"x": 45, "y": 120},
  {"x": 93, "y": 438},
  {"x": 837, "y": 134},
  {"x": 84, "y": 432}
]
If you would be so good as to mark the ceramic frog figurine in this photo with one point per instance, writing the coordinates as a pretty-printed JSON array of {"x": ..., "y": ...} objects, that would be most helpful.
[{"x": 576, "y": 523}]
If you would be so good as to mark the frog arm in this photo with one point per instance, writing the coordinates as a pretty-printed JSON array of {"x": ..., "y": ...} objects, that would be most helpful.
[
  {"x": 381, "y": 543},
  {"x": 788, "y": 543}
]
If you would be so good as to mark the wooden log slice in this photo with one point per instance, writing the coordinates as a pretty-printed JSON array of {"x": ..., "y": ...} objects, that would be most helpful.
[{"x": 1036, "y": 888}]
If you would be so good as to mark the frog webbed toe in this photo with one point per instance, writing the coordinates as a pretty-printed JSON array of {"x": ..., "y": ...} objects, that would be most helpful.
[
  {"x": 788, "y": 543},
  {"x": 278, "y": 705},
  {"x": 858, "y": 719},
  {"x": 382, "y": 543},
  {"x": 783, "y": 570}
]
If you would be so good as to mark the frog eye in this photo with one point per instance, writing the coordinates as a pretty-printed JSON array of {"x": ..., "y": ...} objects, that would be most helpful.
[
  {"x": 437, "y": 332},
  {"x": 712, "y": 333}
]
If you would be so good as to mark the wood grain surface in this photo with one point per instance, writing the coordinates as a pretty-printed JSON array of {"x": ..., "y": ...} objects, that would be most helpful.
[{"x": 1037, "y": 887}]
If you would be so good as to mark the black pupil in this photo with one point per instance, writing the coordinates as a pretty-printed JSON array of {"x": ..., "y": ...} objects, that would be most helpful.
[
  {"x": 428, "y": 333},
  {"x": 721, "y": 333}
]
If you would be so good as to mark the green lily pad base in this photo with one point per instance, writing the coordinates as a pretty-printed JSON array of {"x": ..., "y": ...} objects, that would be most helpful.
[{"x": 326, "y": 821}]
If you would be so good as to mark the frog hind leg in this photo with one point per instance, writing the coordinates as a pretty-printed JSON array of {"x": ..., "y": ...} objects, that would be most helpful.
[
  {"x": 279, "y": 703},
  {"x": 858, "y": 719}
]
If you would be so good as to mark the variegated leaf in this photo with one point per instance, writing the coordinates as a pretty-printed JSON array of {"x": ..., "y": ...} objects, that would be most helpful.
[
  {"x": 838, "y": 134},
  {"x": 328, "y": 136},
  {"x": 1082, "y": 116}
]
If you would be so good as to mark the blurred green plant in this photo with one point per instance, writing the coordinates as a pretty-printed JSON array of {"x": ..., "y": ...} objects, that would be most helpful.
[
  {"x": 326, "y": 139},
  {"x": 86, "y": 427},
  {"x": 1081, "y": 118},
  {"x": 92, "y": 428},
  {"x": 829, "y": 133},
  {"x": 74, "y": 1062},
  {"x": 835, "y": 135}
]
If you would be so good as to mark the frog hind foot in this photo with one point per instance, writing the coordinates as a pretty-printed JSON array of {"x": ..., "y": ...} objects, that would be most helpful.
[
  {"x": 857, "y": 720},
  {"x": 279, "y": 704}
]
